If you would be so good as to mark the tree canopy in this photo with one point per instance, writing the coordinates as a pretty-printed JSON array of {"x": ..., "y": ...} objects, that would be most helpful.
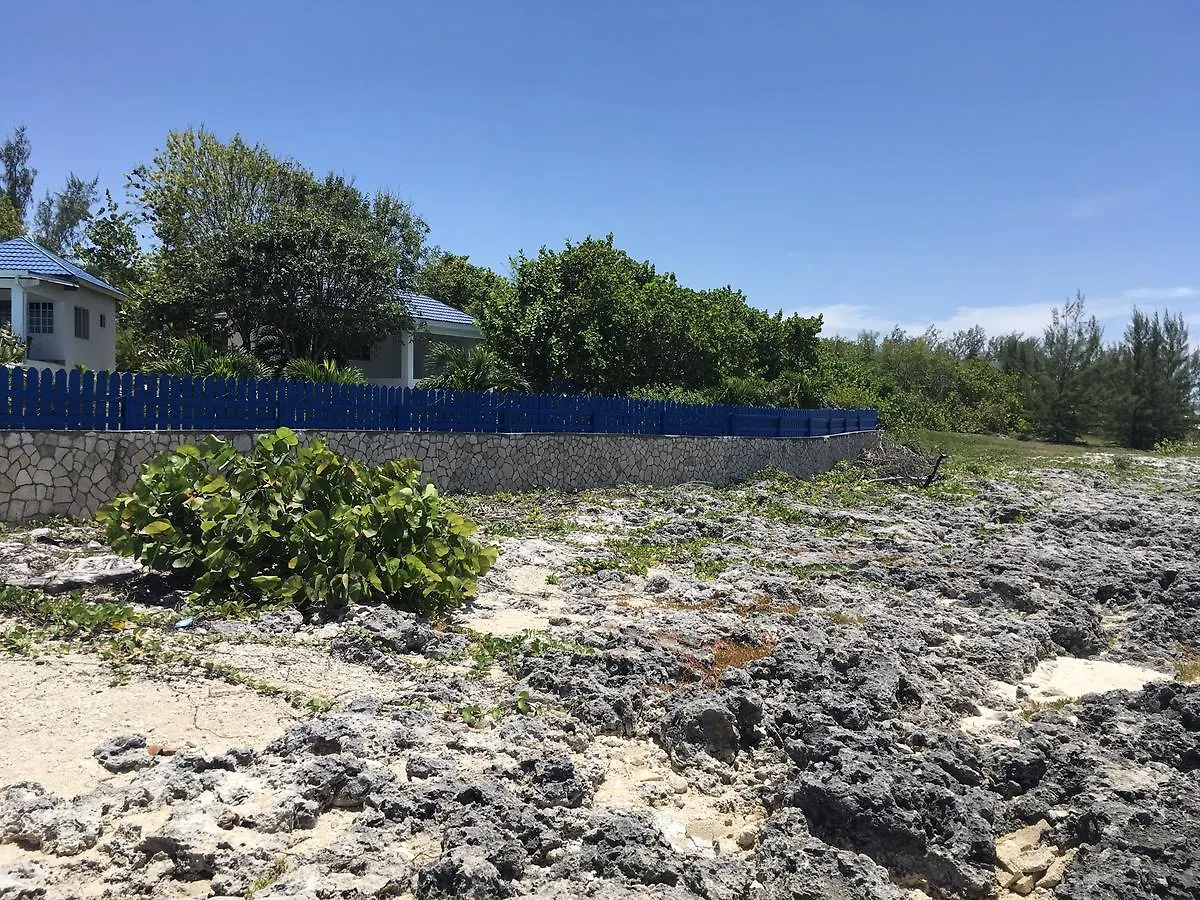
[
  {"x": 592, "y": 318},
  {"x": 256, "y": 251}
]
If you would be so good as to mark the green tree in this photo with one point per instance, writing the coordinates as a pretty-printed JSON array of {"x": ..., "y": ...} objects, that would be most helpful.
[
  {"x": 313, "y": 286},
  {"x": 10, "y": 223},
  {"x": 970, "y": 343},
  {"x": 257, "y": 252},
  {"x": 457, "y": 282},
  {"x": 1063, "y": 402},
  {"x": 479, "y": 368},
  {"x": 110, "y": 249},
  {"x": 576, "y": 318},
  {"x": 62, "y": 216},
  {"x": 591, "y": 318},
  {"x": 1152, "y": 382},
  {"x": 18, "y": 177}
]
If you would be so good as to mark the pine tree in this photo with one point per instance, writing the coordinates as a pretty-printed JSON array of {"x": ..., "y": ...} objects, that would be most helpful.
[
  {"x": 1063, "y": 391},
  {"x": 1152, "y": 382}
]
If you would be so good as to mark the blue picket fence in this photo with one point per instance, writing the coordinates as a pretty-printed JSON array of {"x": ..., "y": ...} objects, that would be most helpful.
[{"x": 125, "y": 401}]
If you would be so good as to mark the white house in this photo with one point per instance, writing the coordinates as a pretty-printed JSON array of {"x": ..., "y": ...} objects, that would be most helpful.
[
  {"x": 66, "y": 316},
  {"x": 400, "y": 359}
]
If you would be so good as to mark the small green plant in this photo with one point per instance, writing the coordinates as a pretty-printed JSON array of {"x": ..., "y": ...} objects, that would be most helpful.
[
  {"x": 487, "y": 650},
  {"x": 301, "y": 526},
  {"x": 708, "y": 569},
  {"x": 553, "y": 578},
  {"x": 12, "y": 348},
  {"x": 1176, "y": 447},
  {"x": 838, "y": 617},
  {"x": 1188, "y": 669},
  {"x": 269, "y": 877},
  {"x": 114, "y": 630},
  {"x": 1033, "y": 707},
  {"x": 327, "y": 372},
  {"x": 471, "y": 715}
]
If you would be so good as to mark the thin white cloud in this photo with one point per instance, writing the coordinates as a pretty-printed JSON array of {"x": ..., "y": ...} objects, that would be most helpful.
[
  {"x": 1093, "y": 206},
  {"x": 1175, "y": 293},
  {"x": 847, "y": 320}
]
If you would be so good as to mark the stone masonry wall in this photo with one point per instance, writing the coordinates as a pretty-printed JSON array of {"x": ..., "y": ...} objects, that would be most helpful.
[{"x": 70, "y": 473}]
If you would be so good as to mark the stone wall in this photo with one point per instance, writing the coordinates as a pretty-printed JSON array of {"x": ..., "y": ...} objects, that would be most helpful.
[{"x": 70, "y": 473}]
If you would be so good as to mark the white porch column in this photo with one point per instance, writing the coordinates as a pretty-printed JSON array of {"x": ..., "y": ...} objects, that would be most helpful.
[
  {"x": 406, "y": 358},
  {"x": 18, "y": 309}
]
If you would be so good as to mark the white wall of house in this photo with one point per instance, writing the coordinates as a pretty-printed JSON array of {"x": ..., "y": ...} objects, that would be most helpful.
[
  {"x": 60, "y": 344},
  {"x": 387, "y": 365}
]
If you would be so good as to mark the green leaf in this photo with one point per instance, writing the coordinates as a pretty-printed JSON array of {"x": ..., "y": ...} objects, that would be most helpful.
[
  {"x": 157, "y": 527},
  {"x": 216, "y": 483}
]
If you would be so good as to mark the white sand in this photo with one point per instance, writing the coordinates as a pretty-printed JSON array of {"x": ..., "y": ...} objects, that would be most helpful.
[
  {"x": 56, "y": 711},
  {"x": 690, "y": 821},
  {"x": 1068, "y": 677}
]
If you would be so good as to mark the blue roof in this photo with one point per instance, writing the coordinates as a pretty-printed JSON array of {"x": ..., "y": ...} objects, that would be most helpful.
[
  {"x": 422, "y": 307},
  {"x": 20, "y": 254}
]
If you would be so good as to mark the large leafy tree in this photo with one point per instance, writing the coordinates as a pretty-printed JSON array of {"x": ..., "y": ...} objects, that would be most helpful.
[
  {"x": 592, "y": 318},
  {"x": 110, "y": 249},
  {"x": 314, "y": 285},
  {"x": 256, "y": 251},
  {"x": 457, "y": 282},
  {"x": 1064, "y": 402}
]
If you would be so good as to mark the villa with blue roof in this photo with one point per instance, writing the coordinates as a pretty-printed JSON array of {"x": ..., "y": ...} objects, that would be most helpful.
[
  {"x": 400, "y": 359},
  {"x": 66, "y": 316}
]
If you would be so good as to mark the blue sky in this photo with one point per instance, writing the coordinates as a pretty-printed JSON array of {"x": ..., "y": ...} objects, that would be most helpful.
[{"x": 921, "y": 162}]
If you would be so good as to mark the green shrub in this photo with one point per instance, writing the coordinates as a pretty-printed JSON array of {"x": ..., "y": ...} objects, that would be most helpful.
[
  {"x": 297, "y": 525},
  {"x": 12, "y": 348}
]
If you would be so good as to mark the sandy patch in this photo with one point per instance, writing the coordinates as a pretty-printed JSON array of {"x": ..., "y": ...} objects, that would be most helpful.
[
  {"x": 309, "y": 670},
  {"x": 1068, "y": 677},
  {"x": 638, "y": 775},
  {"x": 520, "y": 600},
  {"x": 529, "y": 580},
  {"x": 56, "y": 711}
]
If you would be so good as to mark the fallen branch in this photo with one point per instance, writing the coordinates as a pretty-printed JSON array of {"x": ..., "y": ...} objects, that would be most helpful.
[{"x": 932, "y": 475}]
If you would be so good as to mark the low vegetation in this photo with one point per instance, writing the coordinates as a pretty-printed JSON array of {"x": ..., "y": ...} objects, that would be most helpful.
[{"x": 302, "y": 526}]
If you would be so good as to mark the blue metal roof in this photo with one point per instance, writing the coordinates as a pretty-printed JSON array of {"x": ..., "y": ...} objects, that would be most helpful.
[
  {"x": 20, "y": 254},
  {"x": 426, "y": 308}
]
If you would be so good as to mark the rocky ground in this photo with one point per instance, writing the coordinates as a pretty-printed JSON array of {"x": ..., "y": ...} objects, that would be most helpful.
[{"x": 849, "y": 688}]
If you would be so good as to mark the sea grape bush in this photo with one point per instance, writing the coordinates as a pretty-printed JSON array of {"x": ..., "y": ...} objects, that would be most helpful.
[{"x": 297, "y": 525}]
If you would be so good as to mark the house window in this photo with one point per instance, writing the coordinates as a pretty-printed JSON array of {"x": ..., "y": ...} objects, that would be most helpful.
[
  {"x": 83, "y": 323},
  {"x": 101, "y": 320},
  {"x": 5, "y": 306},
  {"x": 41, "y": 317}
]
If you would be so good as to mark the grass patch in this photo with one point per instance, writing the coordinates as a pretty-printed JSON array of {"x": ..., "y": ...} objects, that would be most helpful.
[
  {"x": 1033, "y": 707},
  {"x": 120, "y": 636},
  {"x": 838, "y": 617},
  {"x": 708, "y": 569},
  {"x": 989, "y": 455},
  {"x": 526, "y": 514},
  {"x": 268, "y": 878},
  {"x": 487, "y": 650},
  {"x": 1188, "y": 669},
  {"x": 731, "y": 655},
  {"x": 637, "y": 555}
]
